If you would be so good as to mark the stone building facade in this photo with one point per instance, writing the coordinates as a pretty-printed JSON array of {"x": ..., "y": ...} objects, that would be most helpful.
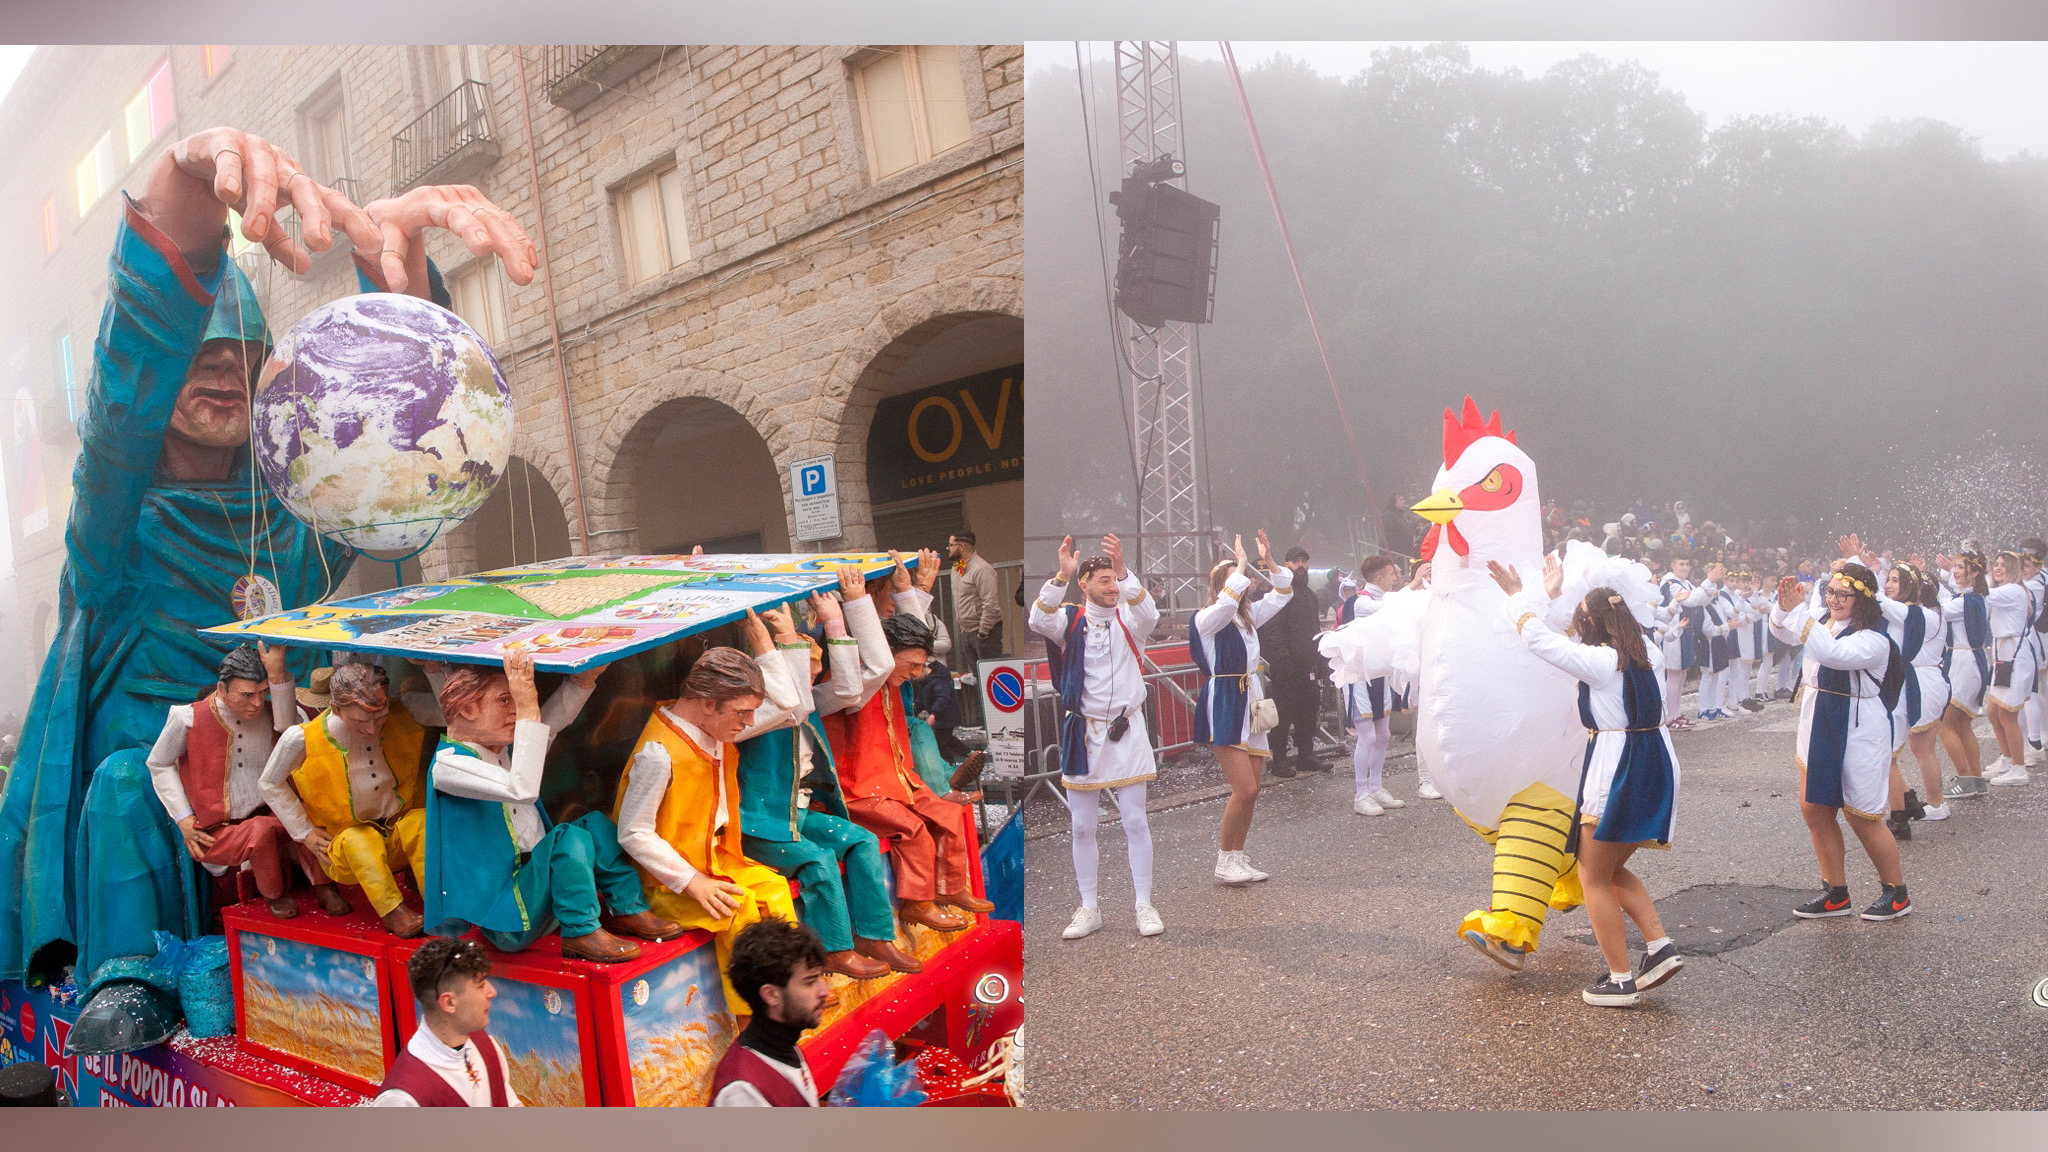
[{"x": 744, "y": 251}]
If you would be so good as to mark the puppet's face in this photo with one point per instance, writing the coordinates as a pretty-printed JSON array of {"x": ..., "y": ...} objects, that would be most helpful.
[
  {"x": 911, "y": 664},
  {"x": 366, "y": 719},
  {"x": 493, "y": 718},
  {"x": 213, "y": 406},
  {"x": 244, "y": 699},
  {"x": 725, "y": 720}
]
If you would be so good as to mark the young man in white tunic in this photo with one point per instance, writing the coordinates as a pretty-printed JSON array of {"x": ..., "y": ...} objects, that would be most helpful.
[
  {"x": 444, "y": 1062},
  {"x": 1106, "y": 633}
]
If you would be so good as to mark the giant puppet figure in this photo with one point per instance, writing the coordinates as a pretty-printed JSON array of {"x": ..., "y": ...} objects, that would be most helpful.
[
  {"x": 1498, "y": 729},
  {"x": 166, "y": 519}
]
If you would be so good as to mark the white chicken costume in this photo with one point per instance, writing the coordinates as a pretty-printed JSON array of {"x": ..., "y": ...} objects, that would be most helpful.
[{"x": 1497, "y": 728}]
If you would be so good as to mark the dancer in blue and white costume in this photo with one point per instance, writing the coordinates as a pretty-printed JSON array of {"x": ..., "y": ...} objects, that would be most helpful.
[
  {"x": 1966, "y": 665},
  {"x": 1628, "y": 790},
  {"x": 1369, "y": 707},
  {"x": 1913, "y": 613},
  {"x": 2013, "y": 665},
  {"x": 1224, "y": 642},
  {"x": 1844, "y": 748}
]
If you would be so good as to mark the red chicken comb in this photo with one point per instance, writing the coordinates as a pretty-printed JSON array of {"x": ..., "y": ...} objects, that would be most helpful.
[{"x": 1459, "y": 433}]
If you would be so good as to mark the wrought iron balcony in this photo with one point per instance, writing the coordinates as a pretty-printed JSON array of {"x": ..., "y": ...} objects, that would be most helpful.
[
  {"x": 577, "y": 74},
  {"x": 288, "y": 219},
  {"x": 451, "y": 143}
]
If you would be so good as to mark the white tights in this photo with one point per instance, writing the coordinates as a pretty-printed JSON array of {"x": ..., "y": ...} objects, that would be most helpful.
[
  {"x": 1788, "y": 669},
  {"x": 1130, "y": 805},
  {"x": 1371, "y": 754},
  {"x": 1738, "y": 684},
  {"x": 1674, "y": 688},
  {"x": 1710, "y": 689},
  {"x": 2030, "y": 717}
]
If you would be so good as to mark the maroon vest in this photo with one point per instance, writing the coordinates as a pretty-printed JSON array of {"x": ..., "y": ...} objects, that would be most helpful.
[
  {"x": 203, "y": 769},
  {"x": 744, "y": 1064},
  {"x": 411, "y": 1075}
]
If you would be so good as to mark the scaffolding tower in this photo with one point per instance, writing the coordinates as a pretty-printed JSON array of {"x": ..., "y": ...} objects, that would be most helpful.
[{"x": 1159, "y": 363}]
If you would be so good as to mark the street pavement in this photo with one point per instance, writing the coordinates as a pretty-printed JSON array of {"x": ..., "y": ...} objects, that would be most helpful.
[{"x": 1340, "y": 982}]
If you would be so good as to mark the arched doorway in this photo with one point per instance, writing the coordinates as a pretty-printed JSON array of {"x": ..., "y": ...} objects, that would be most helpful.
[
  {"x": 944, "y": 456},
  {"x": 705, "y": 477},
  {"x": 522, "y": 522}
]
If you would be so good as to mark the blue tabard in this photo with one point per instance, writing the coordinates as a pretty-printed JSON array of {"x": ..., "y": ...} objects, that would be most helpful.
[
  {"x": 1642, "y": 797},
  {"x": 1223, "y": 696}
]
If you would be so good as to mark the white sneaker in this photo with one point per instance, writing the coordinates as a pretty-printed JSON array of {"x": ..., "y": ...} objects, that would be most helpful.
[
  {"x": 1149, "y": 923},
  {"x": 1386, "y": 799},
  {"x": 2013, "y": 778},
  {"x": 2033, "y": 755},
  {"x": 1086, "y": 922},
  {"x": 1997, "y": 768},
  {"x": 1365, "y": 806},
  {"x": 1231, "y": 869},
  {"x": 1246, "y": 861},
  {"x": 1935, "y": 812},
  {"x": 1428, "y": 791}
]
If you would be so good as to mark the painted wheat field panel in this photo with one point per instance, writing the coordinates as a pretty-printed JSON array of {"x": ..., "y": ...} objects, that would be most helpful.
[
  {"x": 676, "y": 1027},
  {"x": 319, "y": 1004},
  {"x": 537, "y": 1026}
]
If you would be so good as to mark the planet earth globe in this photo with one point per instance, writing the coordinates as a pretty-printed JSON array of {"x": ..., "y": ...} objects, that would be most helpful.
[{"x": 382, "y": 420}]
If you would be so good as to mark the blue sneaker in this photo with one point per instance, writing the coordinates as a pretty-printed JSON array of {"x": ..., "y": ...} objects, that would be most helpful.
[{"x": 1499, "y": 951}]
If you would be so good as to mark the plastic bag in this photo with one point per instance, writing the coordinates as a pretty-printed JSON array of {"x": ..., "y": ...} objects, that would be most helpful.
[
  {"x": 871, "y": 1078},
  {"x": 206, "y": 987}
]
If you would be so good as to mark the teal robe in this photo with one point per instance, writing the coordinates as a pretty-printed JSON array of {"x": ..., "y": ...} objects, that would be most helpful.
[{"x": 149, "y": 560}]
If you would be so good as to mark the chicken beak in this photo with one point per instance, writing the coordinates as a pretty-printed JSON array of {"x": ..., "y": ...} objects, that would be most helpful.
[{"x": 1440, "y": 508}]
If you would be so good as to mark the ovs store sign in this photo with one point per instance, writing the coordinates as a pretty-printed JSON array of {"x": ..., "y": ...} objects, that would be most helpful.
[{"x": 956, "y": 435}]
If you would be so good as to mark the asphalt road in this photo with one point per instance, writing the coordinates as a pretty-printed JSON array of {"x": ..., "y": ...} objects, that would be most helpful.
[{"x": 1340, "y": 982}]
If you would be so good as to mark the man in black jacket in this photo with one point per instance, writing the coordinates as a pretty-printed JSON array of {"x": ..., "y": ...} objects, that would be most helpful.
[{"x": 1288, "y": 643}]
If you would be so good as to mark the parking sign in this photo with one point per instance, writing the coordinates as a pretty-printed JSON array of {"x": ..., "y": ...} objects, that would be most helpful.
[{"x": 814, "y": 493}]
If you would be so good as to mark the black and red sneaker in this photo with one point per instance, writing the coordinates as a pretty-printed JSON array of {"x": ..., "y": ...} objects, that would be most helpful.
[
  {"x": 1832, "y": 902},
  {"x": 1891, "y": 905}
]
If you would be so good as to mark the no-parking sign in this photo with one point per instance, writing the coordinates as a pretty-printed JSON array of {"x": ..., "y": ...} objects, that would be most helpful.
[{"x": 1004, "y": 693}]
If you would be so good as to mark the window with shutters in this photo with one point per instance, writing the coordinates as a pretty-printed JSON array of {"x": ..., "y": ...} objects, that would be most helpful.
[
  {"x": 478, "y": 292},
  {"x": 652, "y": 228},
  {"x": 913, "y": 106}
]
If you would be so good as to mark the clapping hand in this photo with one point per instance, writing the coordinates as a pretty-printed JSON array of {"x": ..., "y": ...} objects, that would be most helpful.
[
  {"x": 1070, "y": 561},
  {"x": 1553, "y": 575},
  {"x": 1790, "y": 593},
  {"x": 1510, "y": 581},
  {"x": 1114, "y": 549}
]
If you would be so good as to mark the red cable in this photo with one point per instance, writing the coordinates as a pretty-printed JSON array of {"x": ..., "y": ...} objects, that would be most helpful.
[{"x": 1273, "y": 194}]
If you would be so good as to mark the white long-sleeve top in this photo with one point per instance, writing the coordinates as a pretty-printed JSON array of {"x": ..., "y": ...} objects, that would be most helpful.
[
  {"x": 455, "y": 1066},
  {"x": 1599, "y": 668},
  {"x": 644, "y": 784},
  {"x": 1114, "y": 680},
  {"x": 1869, "y": 746},
  {"x": 1211, "y": 621},
  {"x": 1223, "y": 613},
  {"x": 511, "y": 775},
  {"x": 2007, "y": 607},
  {"x": 373, "y": 790},
  {"x": 864, "y": 628},
  {"x": 1895, "y": 613},
  {"x": 250, "y": 750}
]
